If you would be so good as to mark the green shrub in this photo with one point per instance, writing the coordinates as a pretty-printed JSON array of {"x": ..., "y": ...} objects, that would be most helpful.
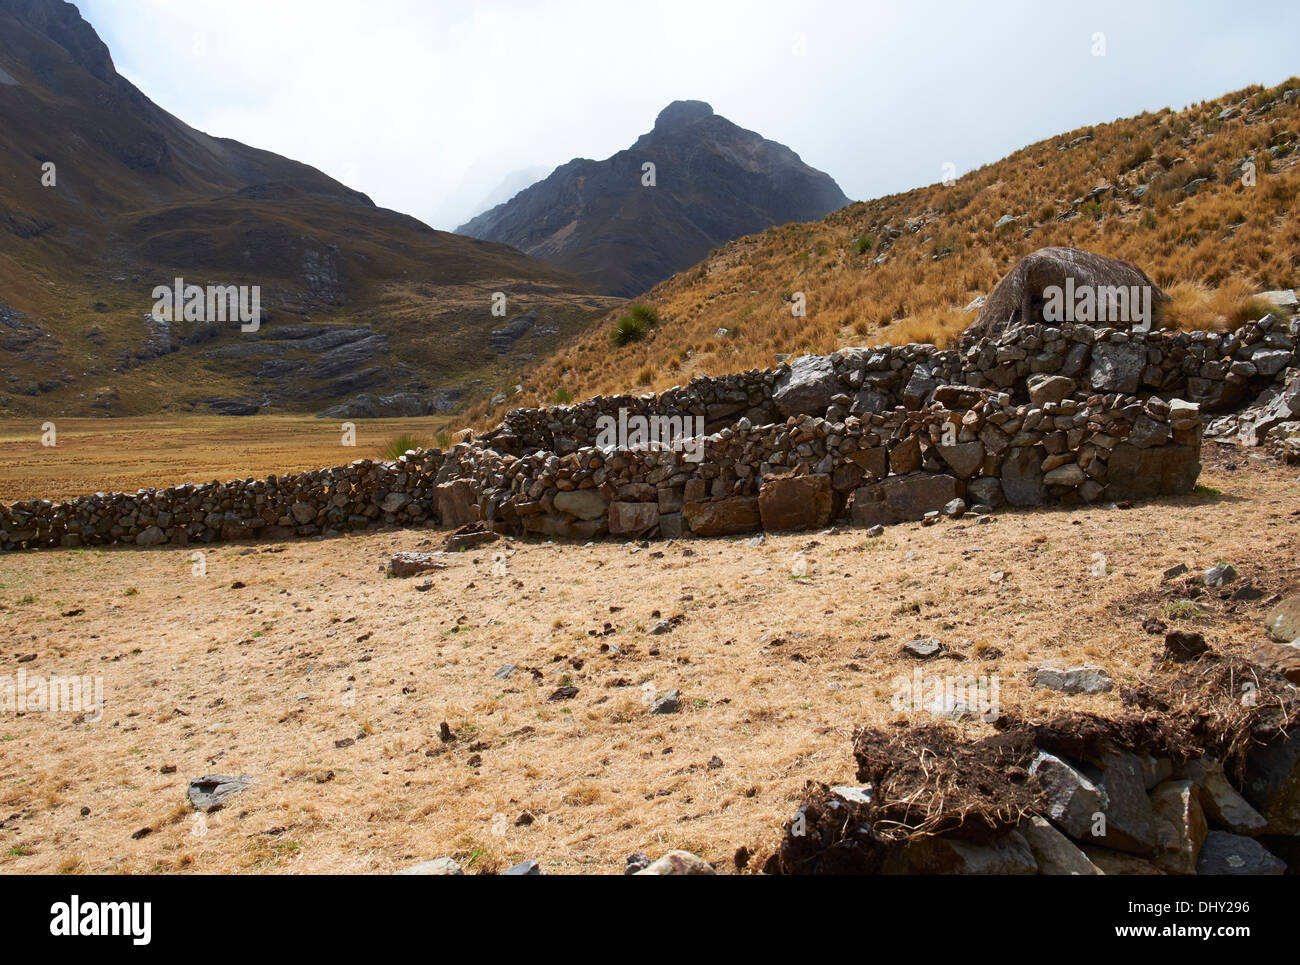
[
  {"x": 396, "y": 447},
  {"x": 865, "y": 244},
  {"x": 562, "y": 396},
  {"x": 634, "y": 325}
]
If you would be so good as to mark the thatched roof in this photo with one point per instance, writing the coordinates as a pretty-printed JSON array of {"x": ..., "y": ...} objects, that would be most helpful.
[{"x": 1018, "y": 298}]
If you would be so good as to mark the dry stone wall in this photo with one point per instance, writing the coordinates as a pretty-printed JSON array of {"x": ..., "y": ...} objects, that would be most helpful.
[{"x": 1040, "y": 413}]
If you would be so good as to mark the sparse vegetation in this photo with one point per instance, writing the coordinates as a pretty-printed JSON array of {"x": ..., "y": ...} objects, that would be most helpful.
[
  {"x": 634, "y": 325},
  {"x": 398, "y": 446}
]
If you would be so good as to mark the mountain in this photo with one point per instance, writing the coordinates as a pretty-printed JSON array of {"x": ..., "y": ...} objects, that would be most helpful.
[
  {"x": 1204, "y": 200},
  {"x": 712, "y": 182},
  {"x": 357, "y": 300}
]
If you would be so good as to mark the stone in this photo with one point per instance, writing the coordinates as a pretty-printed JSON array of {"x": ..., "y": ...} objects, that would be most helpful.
[
  {"x": 394, "y": 502},
  {"x": 905, "y": 457},
  {"x": 672, "y": 526},
  {"x": 678, "y": 863},
  {"x": 212, "y": 792},
  {"x": 1135, "y": 473},
  {"x": 669, "y": 703},
  {"x": 923, "y": 648},
  {"x": 635, "y": 518},
  {"x": 1072, "y": 799},
  {"x": 1182, "y": 828},
  {"x": 807, "y": 387},
  {"x": 964, "y": 458},
  {"x": 585, "y": 504},
  {"x": 636, "y": 861},
  {"x": 529, "y": 867},
  {"x": 724, "y": 516},
  {"x": 1117, "y": 367},
  {"x": 874, "y": 462},
  {"x": 404, "y": 565},
  {"x": 1076, "y": 680},
  {"x": 1054, "y": 853},
  {"x": 1007, "y": 854},
  {"x": 902, "y": 498},
  {"x": 796, "y": 502},
  {"x": 1232, "y": 854},
  {"x": 1222, "y": 803},
  {"x": 1130, "y": 821},
  {"x": 954, "y": 508},
  {"x": 457, "y": 503},
  {"x": 438, "y": 866},
  {"x": 1050, "y": 388},
  {"x": 986, "y": 491},
  {"x": 1283, "y": 621},
  {"x": 1221, "y": 574},
  {"x": 151, "y": 536},
  {"x": 303, "y": 513},
  {"x": 1181, "y": 646},
  {"x": 1272, "y": 784},
  {"x": 1022, "y": 476},
  {"x": 1067, "y": 475}
]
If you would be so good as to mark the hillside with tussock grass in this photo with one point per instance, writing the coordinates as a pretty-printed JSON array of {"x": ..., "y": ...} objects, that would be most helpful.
[{"x": 1169, "y": 191}]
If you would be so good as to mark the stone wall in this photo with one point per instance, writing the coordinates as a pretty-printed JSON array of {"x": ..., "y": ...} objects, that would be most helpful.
[{"x": 1070, "y": 414}]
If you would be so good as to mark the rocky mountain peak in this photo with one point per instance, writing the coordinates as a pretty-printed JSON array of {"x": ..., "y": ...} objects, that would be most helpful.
[{"x": 679, "y": 113}]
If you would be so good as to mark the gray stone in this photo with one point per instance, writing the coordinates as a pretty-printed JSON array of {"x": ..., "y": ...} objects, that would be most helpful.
[
  {"x": 1221, "y": 574},
  {"x": 1283, "y": 622},
  {"x": 1232, "y": 854},
  {"x": 1117, "y": 367},
  {"x": 964, "y": 458},
  {"x": 669, "y": 703},
  {"x": 1272, "y": 784},
  {"x": 902, "y": 498},
  {"x": 151, "y": 536},
  {"x": 1222, "y": 803},
  {"x": 1008, "y": 854},
  {"x": 529, "y": 867},
  {"x": 303, "y": 513},
  {"x": 1022, "y": 476},
  {"x": 923, "y": 648},
  {"x": 1076, "y": 680},
  {"x": 986, "y": 491},
  {"x": 1181, "y": 827},
  {"x": 1130, "y": 821},
  {"x": 1072, "y": 799},
  {"x": 212, "y": 792},
  {"x": 1168, "y": 470},
  {"x": 1054, "y": 853},
  {"x": 632, "y": 518},
  {"x": 582, "y": 503},
  {"x": 807, "y": 387},
  {"x": 1050, "y": 388}
]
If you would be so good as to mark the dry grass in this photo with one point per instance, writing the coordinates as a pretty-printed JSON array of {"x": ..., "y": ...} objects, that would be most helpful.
[
  {"x": 94, "y": 455},
  {"x": 1212, "y": 249},
  {"x": 318, "y": 648}
]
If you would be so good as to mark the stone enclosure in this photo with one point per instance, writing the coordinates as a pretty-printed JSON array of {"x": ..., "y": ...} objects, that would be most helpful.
[{"x": 1068, "y": 414}]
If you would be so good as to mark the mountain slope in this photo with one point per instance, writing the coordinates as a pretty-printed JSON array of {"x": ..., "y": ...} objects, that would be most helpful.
[
  {"x": 140, "y": 198},
  {"x": 1164, "y": 190},
  {"x": 713, "y": 181}
]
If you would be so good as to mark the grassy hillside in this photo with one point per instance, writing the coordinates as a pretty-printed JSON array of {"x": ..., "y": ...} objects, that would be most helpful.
[
  {"x": 139, "y": 198},
  {"x": 904, "y": 268}
]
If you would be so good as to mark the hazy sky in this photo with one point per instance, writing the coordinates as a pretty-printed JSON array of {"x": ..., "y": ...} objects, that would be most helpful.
[{"x": 428, "y": 106}]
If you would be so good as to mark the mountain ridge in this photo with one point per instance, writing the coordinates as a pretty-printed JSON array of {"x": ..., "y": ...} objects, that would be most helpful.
[{"x": 712, "y": 181}]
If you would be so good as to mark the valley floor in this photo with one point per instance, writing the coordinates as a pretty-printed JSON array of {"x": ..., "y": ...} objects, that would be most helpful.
[
  {"x": 303, "y": 667},
  {"x": 92, "y": 455}
]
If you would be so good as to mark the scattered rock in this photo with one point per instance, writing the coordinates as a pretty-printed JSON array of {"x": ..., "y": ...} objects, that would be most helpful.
[
  {"x": 678, "y": 863},
  {"x": 438, "y": 866},
  {"x": 1076, "y": 680},
  {"x": 211, "y": 793}
]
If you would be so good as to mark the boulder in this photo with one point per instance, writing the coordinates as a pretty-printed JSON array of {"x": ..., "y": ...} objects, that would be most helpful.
[
  {"x": 1049, "y": 388},
  {"x": 438, "y": 866},
  {"x": 1072, "y": 799},
  {"x": 1222, "y": 803},
  {"x": 1143, "y": 473},
  {"x": 964, "y": 458},
  {"x": 902, "y": 498},
  {"x": 807, "y": 387},
  {"x": 1130, "y": 821},
  {"x": 796, "y": 502},
  {"x": 632, "y": 517},
  {"x": 582, "y": 503},
  {"x": 723, "y": 516},
  {"x": 212, "y": 792},
  {"x": 1117, "y": 367},
  {"x": 457, "y": 503},
  {"x": 1022, "y": 476}
]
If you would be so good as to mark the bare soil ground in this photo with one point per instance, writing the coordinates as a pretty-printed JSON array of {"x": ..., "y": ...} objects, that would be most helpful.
[{"x": 302, "y": 666}]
